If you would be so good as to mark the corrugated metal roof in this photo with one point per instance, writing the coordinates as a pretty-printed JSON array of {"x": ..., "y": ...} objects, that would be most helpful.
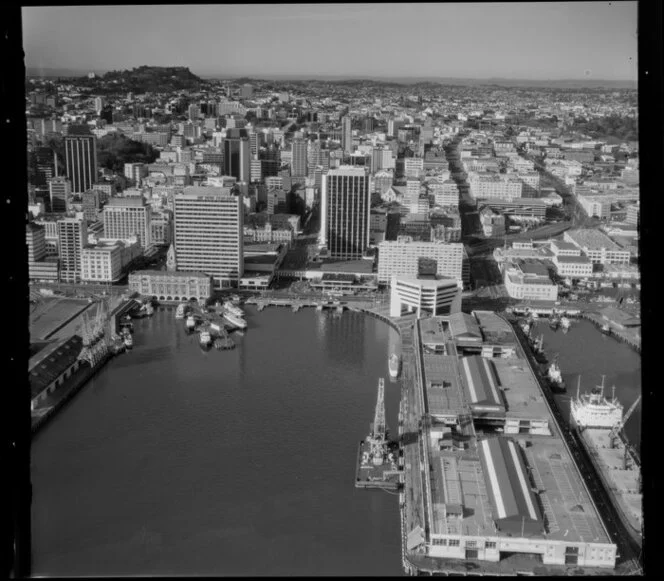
[
  {"x": 464, "y": 324},
  {"x": 481, "y": 381},
  {"x": 51, "y": 362},
  {"x": 513, "y": 503}
]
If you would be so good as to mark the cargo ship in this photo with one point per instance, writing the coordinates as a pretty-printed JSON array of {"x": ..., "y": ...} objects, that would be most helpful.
[
  {"x": 394, "y": 364},
  {"x": 599, "y": 422}
]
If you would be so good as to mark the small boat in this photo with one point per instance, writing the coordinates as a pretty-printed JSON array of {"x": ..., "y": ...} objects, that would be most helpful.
[
  {"x": 233, "y": 309},
  {"x": 205, "y": 338},
  {"x": 128, "y": 341},
  {"x": 191, "y": 322},
  {"x": 565, "y": 323},
  {"x": 235, "y": 321},
  {"x": 179, "y": 312},
  {"x": 394, "y": 363},
  {"x": 525, "y": 327}
]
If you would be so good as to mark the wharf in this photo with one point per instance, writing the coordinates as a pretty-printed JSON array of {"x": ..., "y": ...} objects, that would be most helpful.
[
  {"x": 624, "y": 335},
  {"x": 57, "y": 400},
  {"x": 387, "y": 476},
  {"x": 602, "y": 497},
  {"x": 295, "y": 304}
]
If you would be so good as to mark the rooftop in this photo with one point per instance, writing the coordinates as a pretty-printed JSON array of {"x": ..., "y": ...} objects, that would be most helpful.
[
  {"x": 592, "y": 239},
  {"x": 522, "y": 394}
]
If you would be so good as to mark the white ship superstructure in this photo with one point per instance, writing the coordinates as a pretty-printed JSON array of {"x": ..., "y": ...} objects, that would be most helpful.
[{"x": 593, "y": 410}]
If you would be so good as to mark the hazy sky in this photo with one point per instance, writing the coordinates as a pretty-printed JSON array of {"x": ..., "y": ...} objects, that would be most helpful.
[{"x": 555, "y": 40}]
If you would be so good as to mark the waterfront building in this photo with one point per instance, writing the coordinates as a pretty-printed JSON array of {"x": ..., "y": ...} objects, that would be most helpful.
[
  {"x": 485, "y": 496},
  {"x": 171, "y": 286},
  {"x": 50, "y": 367},
  {"x": 345, "y": 212},
  {"x": 72, "y": 238},
  {"x": 59, "y": 190},
  {"x": 403, "y": 258},
  {"x": 81, "y": 161},
  {"x": 209, "y": 233},
  {"x": 529, "y": 280},
  {"x": 128, "y": 219},
  {"x": 237, "y": 155},
  {"x": 597, "y": 246},
  {"x": 424, "y": 295}
]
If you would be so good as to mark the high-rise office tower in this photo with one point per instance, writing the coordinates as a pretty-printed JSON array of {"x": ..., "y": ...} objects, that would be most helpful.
[
  {"x": 126, "y": 218},
  {"x": 299, "y": 160},
  {"x": 193, "y": 112},
  {"x": 59, "y": 190},
  {"x": 91, "y": 205},
  {"x": 345, "y": 205},
  {"x": 81, "y": 161},
  {"x": 35, "y": 238},
  {"x": 72, "y": 237},
  {"x": 237, "y": 155},
  {"x": 346, "y": 134},
  {"x": 44, "y": 160},
  {"x": 209, "y": 233}
]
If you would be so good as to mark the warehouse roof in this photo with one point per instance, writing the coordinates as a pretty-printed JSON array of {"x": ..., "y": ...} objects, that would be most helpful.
[
  {"x": 49, "y": 363},
  {"x": 513, "y": 503},
  {"x": 463, "y": 325},
  {"x": 481, "y": 383}
]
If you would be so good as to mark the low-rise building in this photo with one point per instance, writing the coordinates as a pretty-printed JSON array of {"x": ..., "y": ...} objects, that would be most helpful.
[
  {"x": 529, "y": 280},
  {"x": 493, "y": 223},
  {"x": 597, "y": 246},
  {"x": 171, "y": 286}
]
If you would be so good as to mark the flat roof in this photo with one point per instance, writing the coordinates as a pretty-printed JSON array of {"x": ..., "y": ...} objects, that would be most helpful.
[
  {"x": 443, "y": 391},
  {"x": 573, "y": 259},
  {"x": 522, "y": 394},
  {"x": 349, "y": 266},
  {"x": 434, "y": 330},
  {"x": 494, "y": 328},
  {"x": 480, "y": 383},
  {"x": 166, "y": 273}
]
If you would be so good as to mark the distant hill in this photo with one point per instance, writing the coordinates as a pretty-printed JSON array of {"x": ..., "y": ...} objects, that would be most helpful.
[{"x": 154, "y": 79}]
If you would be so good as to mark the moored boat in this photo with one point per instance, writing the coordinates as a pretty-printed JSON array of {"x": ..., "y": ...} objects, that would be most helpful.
[
  {"x": 233, "y": 309},
  {"x": 555, "y": 376},
  {"x": 128, "y": 340},
  {"x": 235, "y": 320},
  {"x": 190, "y": 322},
  {"x": 394, "y": 363},
  {"x": 179, "y": 312}
]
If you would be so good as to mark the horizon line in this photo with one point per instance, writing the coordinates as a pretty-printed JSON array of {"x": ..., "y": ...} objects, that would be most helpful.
[{"x": 314, "y": 76}]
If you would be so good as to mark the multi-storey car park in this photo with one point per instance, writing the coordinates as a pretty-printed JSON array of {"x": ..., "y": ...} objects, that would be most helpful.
[{"x": 489, "y": 478}]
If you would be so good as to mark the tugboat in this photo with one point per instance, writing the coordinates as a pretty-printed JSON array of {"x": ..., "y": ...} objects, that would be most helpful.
[
  {"x": 394, "y": 363},
  {"x": 555, "y": 377}
]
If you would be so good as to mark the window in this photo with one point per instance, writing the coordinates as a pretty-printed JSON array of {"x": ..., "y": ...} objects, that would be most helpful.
[
  {"x": 454, "y": 542},
  {"x": 490, "y": 545}
]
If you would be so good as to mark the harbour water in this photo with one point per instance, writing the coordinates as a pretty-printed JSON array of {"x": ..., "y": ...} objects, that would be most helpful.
[
  {"x": 584, "y": 350},
  {"x": 176, "y": 461}
]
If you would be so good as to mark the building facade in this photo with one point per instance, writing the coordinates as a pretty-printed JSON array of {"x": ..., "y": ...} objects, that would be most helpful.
[
  {"x": 81, "y": 161},
  {"x": 171, "y": 286},
  {"x": 209, "y": 233},
  {"x": 72, "y": 238},
  {"x": 402, "y": 258},
  {"x": 431, "y": 296},
  {"x": 128, "y": 218},
  {"x": 345, "y": 212}
]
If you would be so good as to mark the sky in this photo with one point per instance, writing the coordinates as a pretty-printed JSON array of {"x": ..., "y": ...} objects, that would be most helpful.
[{"x": 538, "y": 40}]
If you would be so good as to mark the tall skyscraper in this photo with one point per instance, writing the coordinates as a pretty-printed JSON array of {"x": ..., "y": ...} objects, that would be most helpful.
[
  {"x": 59, "y": 190},
  {"x": 209, "y": 233},
  {"x": 72, "y": 237},
  {"x": 346, "y": 134},
  {"x": 299, "y": 161},
  {"x": 125, "y": 218},
  {"x": 81, "y": 161},
  {"x": 345, "y": 211},
  {"x": 237, "y": 155}
]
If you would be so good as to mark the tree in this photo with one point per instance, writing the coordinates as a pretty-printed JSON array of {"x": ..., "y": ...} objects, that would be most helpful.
[{"x": 114, "y": 150}]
